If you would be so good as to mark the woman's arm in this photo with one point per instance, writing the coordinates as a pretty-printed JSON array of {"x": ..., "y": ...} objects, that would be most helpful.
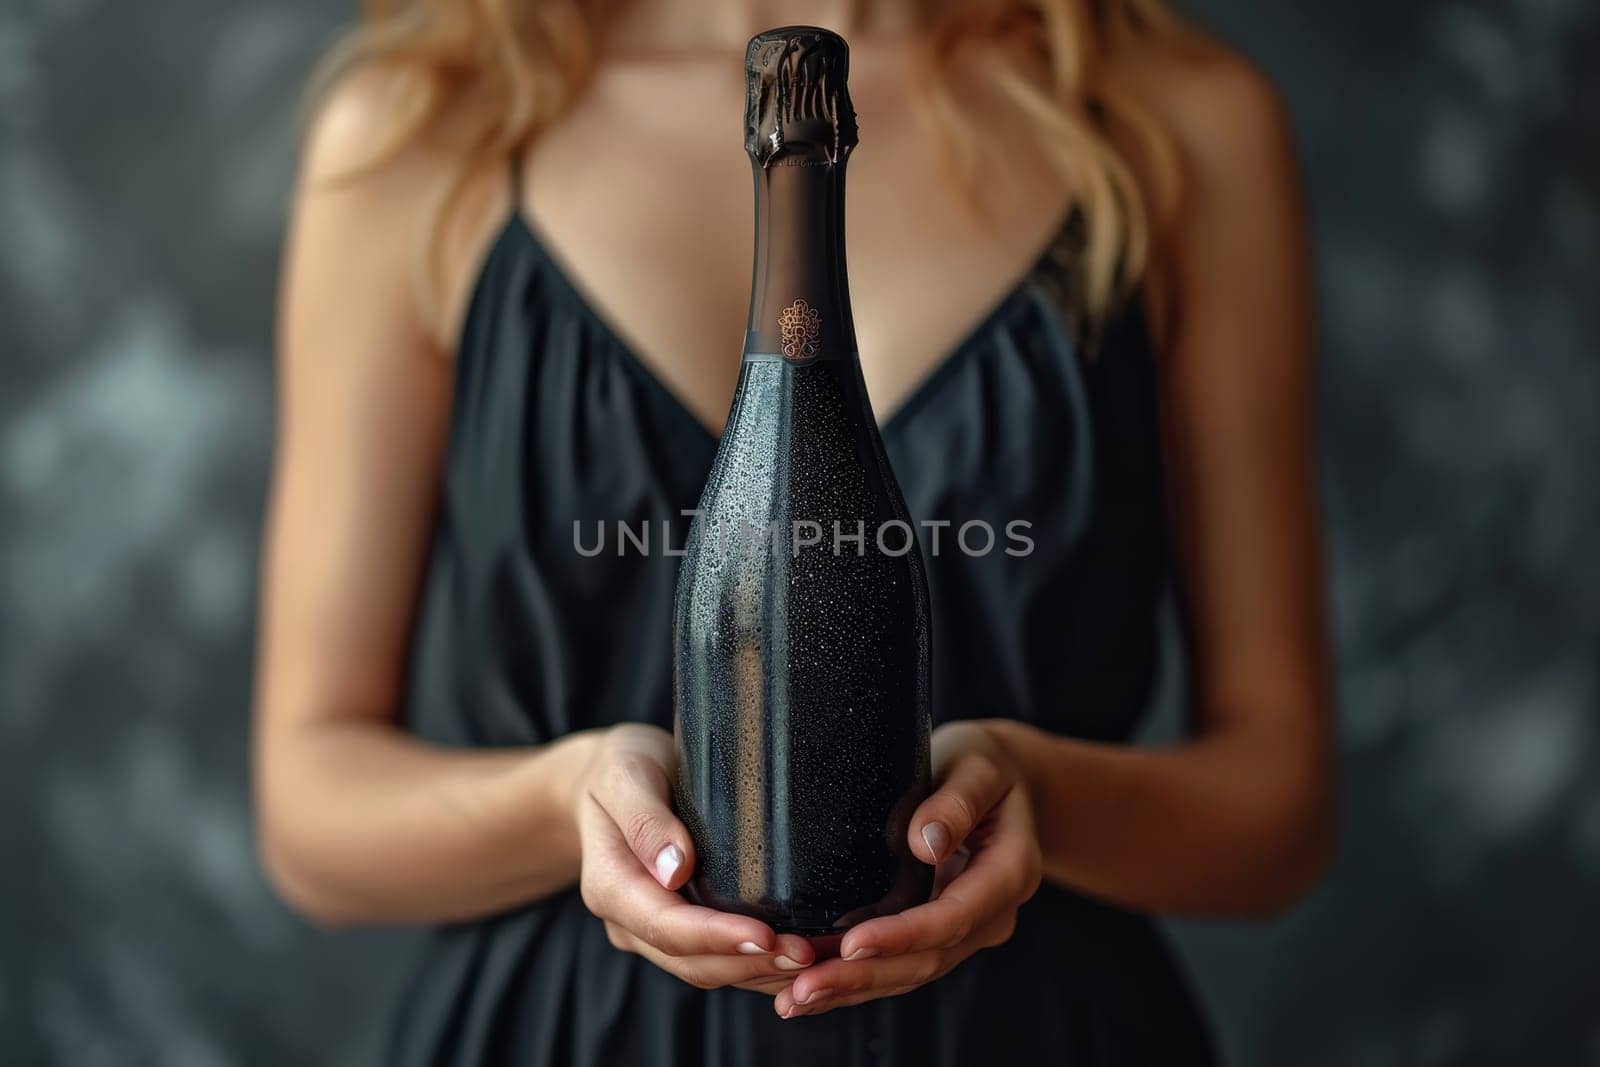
[
  {"x": 358, "y": 821},
  {"x": 1239, "y": 819}
]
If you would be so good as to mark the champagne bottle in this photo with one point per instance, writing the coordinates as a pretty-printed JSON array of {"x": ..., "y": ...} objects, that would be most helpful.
[{"x": 801, "y": 640}]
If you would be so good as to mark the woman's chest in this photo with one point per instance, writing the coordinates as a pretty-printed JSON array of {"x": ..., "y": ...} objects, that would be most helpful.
[{"x": 645, "y": 200}]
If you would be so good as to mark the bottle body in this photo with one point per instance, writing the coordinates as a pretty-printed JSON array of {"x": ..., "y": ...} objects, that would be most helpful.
[
  {"x": 801, "y": 637},
  {"x": 801, "y": 670}
]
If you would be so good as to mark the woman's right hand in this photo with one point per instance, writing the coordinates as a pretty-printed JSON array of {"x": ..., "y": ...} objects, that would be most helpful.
[{"x": 636, "y": 854}]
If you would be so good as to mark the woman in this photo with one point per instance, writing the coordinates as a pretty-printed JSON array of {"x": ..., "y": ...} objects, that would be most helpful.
[{"x": 514, "y": 285}]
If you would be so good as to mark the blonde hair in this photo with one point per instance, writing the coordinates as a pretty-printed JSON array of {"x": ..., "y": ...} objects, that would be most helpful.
[{"x": 504, "y": 70}]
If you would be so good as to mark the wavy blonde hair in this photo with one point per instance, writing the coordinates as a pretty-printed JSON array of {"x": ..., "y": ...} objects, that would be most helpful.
[{"x": 504, "y": 70}]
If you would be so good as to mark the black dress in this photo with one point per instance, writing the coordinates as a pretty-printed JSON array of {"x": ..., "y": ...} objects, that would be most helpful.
[{"x": 520, "y": 639}]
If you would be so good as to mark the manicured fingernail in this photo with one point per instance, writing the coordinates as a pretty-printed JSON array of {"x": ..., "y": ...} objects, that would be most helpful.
[
  {"x": 668, "y": 860},
  {"x": 865, "y": 952},
  {"x": 937, "y": 838},
  {"x": 815, "y": 996},
  {"x": 786, "y": 964},
  {"x": 750, "y": 948}
]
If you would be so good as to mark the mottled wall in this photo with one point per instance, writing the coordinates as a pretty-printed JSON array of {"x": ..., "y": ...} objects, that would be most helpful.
[{"x": 145, "y": 152}]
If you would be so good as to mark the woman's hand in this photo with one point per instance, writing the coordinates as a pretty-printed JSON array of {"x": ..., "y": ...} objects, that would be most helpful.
[
  {"x": 977, "y": 828},
  {"x": 636, "y": 854}
]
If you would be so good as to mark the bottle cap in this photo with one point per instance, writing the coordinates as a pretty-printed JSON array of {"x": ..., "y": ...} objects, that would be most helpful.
[{"x": 797, "y": 106}]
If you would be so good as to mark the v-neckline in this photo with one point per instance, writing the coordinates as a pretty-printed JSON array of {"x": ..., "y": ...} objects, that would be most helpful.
[{"x": 916, "y": 397}]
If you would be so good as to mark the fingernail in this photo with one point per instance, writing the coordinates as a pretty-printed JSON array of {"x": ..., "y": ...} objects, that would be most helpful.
[
  {"x": 786, "y": 964},
  {"x": 750, "y": 948},
  {"x": 815, "y": 995},
  {"x": 669, "y": 859},
  {"x": 937, "y": 838},
  {"x": 866, "y": 952}
]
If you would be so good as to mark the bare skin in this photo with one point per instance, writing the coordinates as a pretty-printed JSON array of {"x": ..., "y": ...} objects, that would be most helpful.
[{"x": 362, "y": 823}]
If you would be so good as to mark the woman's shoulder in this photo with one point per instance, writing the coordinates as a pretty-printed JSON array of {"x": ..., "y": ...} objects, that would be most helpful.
[
  {"x": 356, "y": 138},
  {"x": 393, "y": 179},
  {"x": 1228, "y": 166},
  {"x": 1225, "y": 115}
]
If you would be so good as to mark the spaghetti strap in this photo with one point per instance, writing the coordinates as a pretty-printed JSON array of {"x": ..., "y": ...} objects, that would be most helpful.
[{"x": 515, "y": 178}]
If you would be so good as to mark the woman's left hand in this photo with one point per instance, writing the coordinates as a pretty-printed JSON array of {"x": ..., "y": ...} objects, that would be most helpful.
[{"x": 977, "y": 828}]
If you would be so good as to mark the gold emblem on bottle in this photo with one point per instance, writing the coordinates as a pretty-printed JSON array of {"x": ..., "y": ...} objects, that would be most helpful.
[{"x": 799, "y": 325}]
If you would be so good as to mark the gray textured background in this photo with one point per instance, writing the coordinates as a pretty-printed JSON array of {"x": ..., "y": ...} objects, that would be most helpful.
[{"x": 145, "y": 154}]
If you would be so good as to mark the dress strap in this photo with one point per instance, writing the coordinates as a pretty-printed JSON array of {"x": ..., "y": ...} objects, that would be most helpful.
[{"x": 515, "y": 177}]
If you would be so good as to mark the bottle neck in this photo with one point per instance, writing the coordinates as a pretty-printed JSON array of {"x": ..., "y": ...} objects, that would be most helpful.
[{"x": 800, "y": 295}]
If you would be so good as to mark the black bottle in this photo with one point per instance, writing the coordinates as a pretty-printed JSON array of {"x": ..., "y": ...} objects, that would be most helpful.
[{"x": 801, "y": 640}]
